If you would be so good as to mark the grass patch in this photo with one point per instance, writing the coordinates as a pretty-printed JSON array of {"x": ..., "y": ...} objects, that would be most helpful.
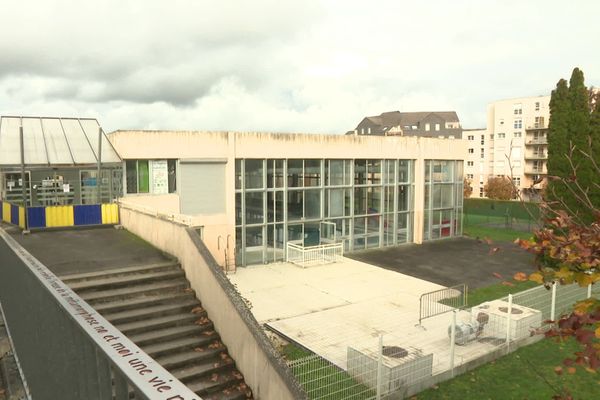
[
  {"x": 497, "y": 234},
  {"x": 527, "y": 373},
  {"x": 519, "y": 376},
  {"x": 496, "y": 291}
]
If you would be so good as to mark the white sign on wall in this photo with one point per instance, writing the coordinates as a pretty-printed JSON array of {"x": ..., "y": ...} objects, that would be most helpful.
[{"x": 160, "y": 177}]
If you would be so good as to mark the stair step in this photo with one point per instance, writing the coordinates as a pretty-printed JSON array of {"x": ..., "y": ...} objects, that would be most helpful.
[
  {"x": 197, "y": 370},
  {"x": 116, "y": 306},
  {"x": 119, "y": 271},
  {"x": 127, "y": 280},
  {"x": 131, "y": 328},
  {"x": 214, "y": 382},
  {"x": 163, "y": 335},
  {"x": 180, "y": 344},
  {"x": 129, "y": 292},
  {"x": 155, "y": 311},
  {"x": 174, "y": 361},
  {"x": 237, "y": 392}
]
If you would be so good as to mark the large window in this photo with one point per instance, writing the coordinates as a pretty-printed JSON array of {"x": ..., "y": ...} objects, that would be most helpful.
[
  {"x": 443, "y": 199},
  {"x": 151, "y": 176},
  {"x": 370, "y": 201}
]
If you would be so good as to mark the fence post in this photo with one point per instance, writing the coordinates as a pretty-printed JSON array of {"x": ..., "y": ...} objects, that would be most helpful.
[
  {"x": 589, "y": 293},
  {"x": 379, "y": 367},
  {"x": 508, "y": 315},
  {"x": 553, "y": 303},
  {"x": 452, "y": 339}
]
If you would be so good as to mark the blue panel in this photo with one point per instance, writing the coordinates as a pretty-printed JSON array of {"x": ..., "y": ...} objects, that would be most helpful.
[
  {"x": 36, "y": 217},
  {"x": 14, "y": 215},
  {"x": 87, "y": 215}
]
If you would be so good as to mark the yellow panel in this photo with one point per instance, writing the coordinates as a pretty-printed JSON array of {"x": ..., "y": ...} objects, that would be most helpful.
[
  {"x": 6, "y": 212},
  {"x": 22, "y": 217},
  {"x": 110, "y": 214},
  {"x": 59, "y": 216}
]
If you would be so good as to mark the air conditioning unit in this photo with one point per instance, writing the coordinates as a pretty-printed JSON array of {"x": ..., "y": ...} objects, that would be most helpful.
[{"x": 522, "y": 319}]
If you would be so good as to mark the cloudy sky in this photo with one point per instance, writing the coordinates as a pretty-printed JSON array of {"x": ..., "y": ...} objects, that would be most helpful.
[{"x": 280, "y": 65}]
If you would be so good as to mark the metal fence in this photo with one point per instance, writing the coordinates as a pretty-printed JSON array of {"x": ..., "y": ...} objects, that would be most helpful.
[
  {"x": 66, "y": 349},
  {"x": 498, "y": 214},
  {"x": 403, "y": 359},
  {"x": 314, "y": 255},
  {"x": 441, "y": 301}
]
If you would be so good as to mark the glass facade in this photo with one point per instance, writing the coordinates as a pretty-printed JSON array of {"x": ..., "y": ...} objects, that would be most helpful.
[
  {"x": 443, "y": 199},
  {"x": 371, "y": 202}
]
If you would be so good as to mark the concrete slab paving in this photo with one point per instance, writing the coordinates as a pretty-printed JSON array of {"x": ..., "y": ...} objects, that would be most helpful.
[
  {"x": 330, "y": 307},
  {"x": 285, "y": 290}
]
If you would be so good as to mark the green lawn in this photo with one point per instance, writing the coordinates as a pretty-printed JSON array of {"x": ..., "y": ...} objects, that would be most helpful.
[
  {"x": 497, "y": 291},
  {"x": 528, "y": 373},
  {"x": 500, "y": 235}
]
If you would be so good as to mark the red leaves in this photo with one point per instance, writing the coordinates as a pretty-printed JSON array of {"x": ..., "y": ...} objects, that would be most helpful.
[
  {"x": 558, "y": 370},
  {"x": 520, "y": 277},
  {"x": 494, "y": 250}
]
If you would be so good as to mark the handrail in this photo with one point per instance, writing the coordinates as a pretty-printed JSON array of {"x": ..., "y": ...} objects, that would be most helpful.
[
  {"x": 441, "y": 301},
  {"x": 314, "y": 255},
  {"x": 101, "y": 348}
]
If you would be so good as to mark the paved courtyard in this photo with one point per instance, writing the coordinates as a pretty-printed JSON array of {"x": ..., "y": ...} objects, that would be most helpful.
[
  {"x": 84, "y": 250},
  {"x": 452, "y": 261},
  {"x": 329, "y": 308},
  {"x": 332, "y": 307}
]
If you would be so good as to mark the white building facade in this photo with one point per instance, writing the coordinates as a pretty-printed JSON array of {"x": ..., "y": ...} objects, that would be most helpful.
[
  {"x": 514, "y": 144},
  {"x": 255, "y": 192}
]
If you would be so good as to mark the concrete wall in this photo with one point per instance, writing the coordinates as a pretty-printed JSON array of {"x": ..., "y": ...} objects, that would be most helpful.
[{"x": 262, "y": 367}]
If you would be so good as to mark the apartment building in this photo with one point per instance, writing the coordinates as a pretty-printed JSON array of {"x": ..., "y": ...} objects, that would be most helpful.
[
  {"x": 476, "y": 159},
  {"x": 436, "y": 124},
  {"x": 517, "y": 133},
  {"x": 514, "y": 144}
]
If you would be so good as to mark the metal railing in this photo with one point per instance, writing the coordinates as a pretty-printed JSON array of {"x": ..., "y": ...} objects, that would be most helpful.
[
  {"x": 441, "y": 301},
  {"x": 314, "y": 255},
  {"x": 66, "y": 349},
  {"x": 404, "y": 360}
]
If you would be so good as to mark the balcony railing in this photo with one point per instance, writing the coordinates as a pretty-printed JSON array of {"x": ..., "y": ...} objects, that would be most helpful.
[
  {"x": 543, "y": 140},
  {"x": 535, "y": 171},
  {"x": 537, "y": 125},
  {"x": 536, "y": 156}
]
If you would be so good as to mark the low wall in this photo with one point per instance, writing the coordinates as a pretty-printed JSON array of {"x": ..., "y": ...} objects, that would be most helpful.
[
  {"x": 12, "y": 214},
  {"x": 263, "y": 369},
  {"x": 60, "y": 216}
]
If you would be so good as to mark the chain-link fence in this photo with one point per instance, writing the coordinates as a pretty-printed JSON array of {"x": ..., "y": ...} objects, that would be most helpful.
[
  {"x": 498, "y": 214},
  {"x": 405, "y": 358}
]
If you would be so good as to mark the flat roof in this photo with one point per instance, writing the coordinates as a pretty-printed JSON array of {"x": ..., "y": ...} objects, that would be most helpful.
[{"x": 52, "y": 141}]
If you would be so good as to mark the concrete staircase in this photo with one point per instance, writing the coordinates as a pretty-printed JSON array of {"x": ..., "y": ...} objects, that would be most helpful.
[{"x": 154, "y": 306}]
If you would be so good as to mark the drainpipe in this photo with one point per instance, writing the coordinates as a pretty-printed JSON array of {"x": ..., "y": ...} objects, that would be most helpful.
[
  {"x": 98, "y": 177},
  {"x": 23, "y": 181}
]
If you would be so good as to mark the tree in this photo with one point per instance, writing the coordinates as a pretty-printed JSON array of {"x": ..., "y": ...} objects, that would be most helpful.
[
  {"x": 570, "y": 130},
  {"x": 558, "y": 141},
  {"x": 500, "y": 188},
  {"x": 467, "y": 188},
  {"x": 567, "y": 251}
]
